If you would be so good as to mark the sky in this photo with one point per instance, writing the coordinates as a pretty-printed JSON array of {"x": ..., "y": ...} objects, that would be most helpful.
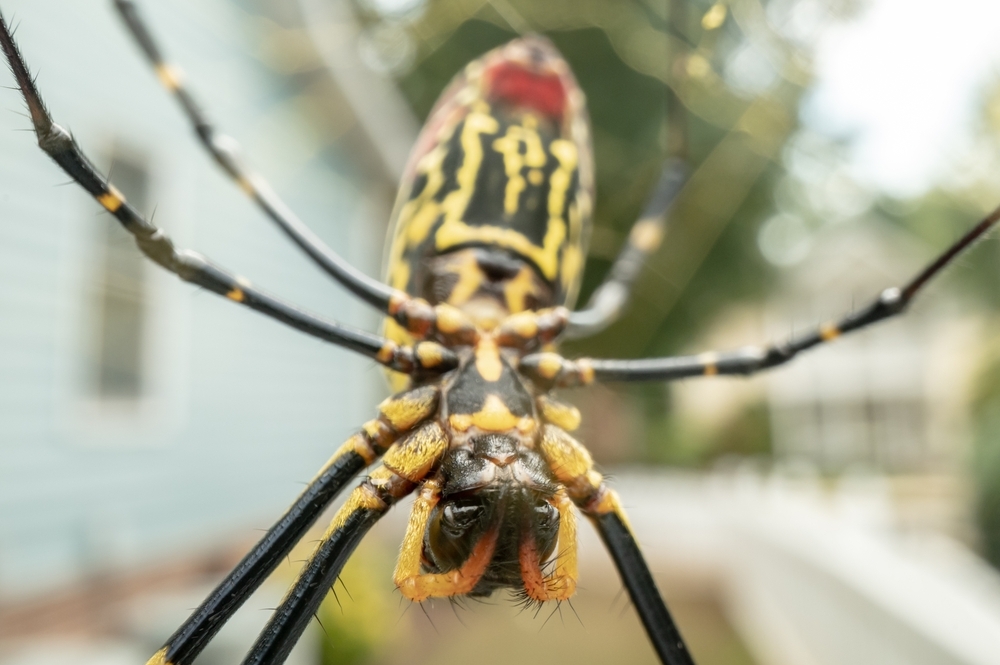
[{"x": 904, "y": 80}]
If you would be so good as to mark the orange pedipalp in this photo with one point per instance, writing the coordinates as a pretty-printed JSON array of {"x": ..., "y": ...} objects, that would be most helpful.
[
  {"x": 531, "y": 571},
  {"x": 561, "y": 585},
  {"x": 456, "y": 582}
]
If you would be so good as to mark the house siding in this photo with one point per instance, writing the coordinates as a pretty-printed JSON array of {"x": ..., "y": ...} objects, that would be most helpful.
[{"x": 238, "y": 410}]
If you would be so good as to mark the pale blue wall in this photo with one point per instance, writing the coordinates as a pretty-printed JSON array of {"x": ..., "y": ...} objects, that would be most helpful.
[{"x": 243, "y": 410}]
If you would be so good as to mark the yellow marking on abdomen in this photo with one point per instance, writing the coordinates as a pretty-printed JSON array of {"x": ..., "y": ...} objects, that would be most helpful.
[
  {"x": 470, "y": 277},
  {"x": 416, "y": 216},
  {"x": 457, "y": 232},
  {"x": 454, "y": 231},
  {"x": 572, "y": 259},
  {"x": 517, "y": 290},
  {"x": 509, "y": 146},
  {"x": 456, "y": 202}
]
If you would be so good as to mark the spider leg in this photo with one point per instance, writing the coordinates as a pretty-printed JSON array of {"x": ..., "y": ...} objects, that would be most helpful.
[
  {"x": 573, "y": 466},
  {"x": 398, "y": 415},
  {"x": 362, "y": 510},
  {"x": 610, "y": 298},
  {"x": 552, "y": 369},
  {"x": 614, "y": 530},
  {"x": 413, "y": 314},
  {"x": 228, "y": 154},
  {"x": 189, "y": 265},
  {"x": 405, "y": 464}
]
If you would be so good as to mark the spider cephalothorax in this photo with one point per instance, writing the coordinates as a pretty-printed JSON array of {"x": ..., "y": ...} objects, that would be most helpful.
[{"x": 494, "y": 488}]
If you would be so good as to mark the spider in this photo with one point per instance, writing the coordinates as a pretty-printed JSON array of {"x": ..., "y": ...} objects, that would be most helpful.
[{"x": 490, "y": 233}]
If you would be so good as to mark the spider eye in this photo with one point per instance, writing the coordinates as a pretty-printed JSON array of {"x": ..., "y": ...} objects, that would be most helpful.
[
  {"x": 545, "y": 528},
  {"x": 459, "y": 517},
  {"x": 454, "y": 529},
  {"x": 546, "y": 515}
]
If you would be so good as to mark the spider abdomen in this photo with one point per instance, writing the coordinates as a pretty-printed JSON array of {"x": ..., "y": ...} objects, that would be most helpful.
[{"x": 493, "y": 211}]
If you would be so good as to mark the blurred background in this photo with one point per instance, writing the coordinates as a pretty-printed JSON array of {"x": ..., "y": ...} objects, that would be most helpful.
[{"x": 844, "y": 509}]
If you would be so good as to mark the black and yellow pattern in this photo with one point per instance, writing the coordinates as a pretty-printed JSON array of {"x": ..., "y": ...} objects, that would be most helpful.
[
  {"x": 493, "y": 169},
  {"x": 484, "y": 262},
  {"x": 499, "y": 179},
  {"x": 494, "y": 211}
]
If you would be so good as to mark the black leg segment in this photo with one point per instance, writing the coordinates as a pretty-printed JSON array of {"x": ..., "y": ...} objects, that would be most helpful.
[
  {"x": 551, "y": 369},
  {"x": 189, "y": 640},
  {"x": 228, "y": 154},
  {"x": 366, "y": 504},
  {"x": 610, "y": 298},
  {"x": 642, "y": 590},
  {"x": 289, "y": 621},
  {"x": 186, "y": 264}
]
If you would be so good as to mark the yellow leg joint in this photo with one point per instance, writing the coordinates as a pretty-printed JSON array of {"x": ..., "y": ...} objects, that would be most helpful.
[
  {"x": 404, "y": 411},
  {"x": 356, "y": 444},
  {"x": 112, "y": 199},
  {"x": 414, "y": 457},
  {"x": 362, "y": 498},
  {"x": 562, "y": 415},
  {"x": 159, "y": 658},
  {"x": 170, "y": 77},
  {"x": 829, "y": 332}
]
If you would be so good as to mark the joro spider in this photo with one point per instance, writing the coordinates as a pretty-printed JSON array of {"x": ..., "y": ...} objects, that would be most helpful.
[{"x": 490, "y": 232}]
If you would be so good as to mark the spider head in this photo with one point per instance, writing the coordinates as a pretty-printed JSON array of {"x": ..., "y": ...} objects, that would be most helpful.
[{"x": 494, "y": 486}]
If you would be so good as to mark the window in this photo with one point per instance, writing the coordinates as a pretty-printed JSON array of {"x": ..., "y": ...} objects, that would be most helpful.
[{"x": 119, "y": 298}]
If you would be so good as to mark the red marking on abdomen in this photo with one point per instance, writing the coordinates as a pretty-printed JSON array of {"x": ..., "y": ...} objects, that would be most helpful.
[{"x": 515, "y": 85}]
